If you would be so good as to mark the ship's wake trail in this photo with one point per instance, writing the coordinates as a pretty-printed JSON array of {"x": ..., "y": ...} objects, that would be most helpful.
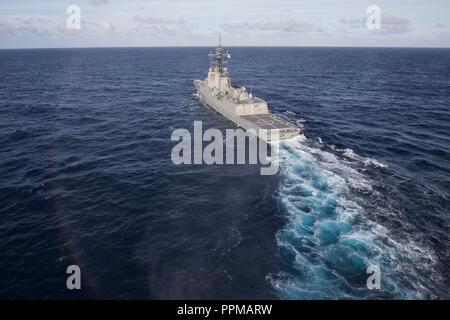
[{"x": 328, "y": 241}]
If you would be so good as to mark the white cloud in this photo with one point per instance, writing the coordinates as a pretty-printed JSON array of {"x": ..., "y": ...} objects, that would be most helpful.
[
  {"x": 154, "y": 20},
  {"x": 389, "y": 25},
  {"x": 393, "y": 25},
  {"x": 99, "y": 2},
  {"x": 288, "y": 25},
  {"x": 169, "y": 26}
]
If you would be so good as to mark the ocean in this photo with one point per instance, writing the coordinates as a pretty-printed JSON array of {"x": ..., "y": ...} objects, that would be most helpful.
[{"x": 87, "y": 177}]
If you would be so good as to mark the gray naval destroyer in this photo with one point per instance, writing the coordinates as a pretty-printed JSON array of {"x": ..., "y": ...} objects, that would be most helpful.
[{"x": 236, "y": 104}]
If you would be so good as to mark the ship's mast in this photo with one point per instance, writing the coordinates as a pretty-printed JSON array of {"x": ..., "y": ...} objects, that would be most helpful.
[
  {"x": 219, "y": 65},
  {"x": 219, "y": 56}
]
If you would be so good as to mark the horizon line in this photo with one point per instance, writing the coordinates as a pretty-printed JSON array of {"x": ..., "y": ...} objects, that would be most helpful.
[{"x": 232, "y": 46}]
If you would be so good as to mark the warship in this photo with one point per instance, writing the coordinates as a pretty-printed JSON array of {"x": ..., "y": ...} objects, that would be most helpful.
[{"x": 238, "y": 105}]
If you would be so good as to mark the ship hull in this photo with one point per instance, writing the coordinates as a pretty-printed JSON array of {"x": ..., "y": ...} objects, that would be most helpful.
[{"x": 267, "y": 126}]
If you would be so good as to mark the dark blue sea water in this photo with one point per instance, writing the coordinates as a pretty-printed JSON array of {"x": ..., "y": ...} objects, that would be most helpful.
[{"x": 87, "y": 178}]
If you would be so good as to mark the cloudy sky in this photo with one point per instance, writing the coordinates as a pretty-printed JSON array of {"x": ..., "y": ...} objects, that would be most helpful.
[{"x": 43, "y": 23}]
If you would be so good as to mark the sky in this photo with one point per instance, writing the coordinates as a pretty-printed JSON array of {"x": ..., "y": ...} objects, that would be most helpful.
[{"x": 129, "y": 23}]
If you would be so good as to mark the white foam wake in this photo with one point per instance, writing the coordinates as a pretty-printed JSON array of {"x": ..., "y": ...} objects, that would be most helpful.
[
  {"x": 328, "y": 238},
  {"x": 349, "y": 153}
]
